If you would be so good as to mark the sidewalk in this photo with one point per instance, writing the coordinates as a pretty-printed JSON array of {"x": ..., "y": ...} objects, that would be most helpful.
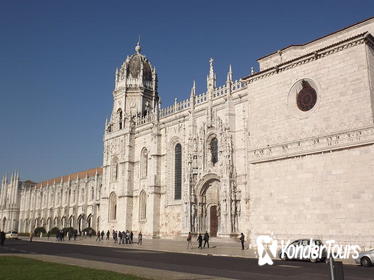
[{"x": 217, "y": 247}]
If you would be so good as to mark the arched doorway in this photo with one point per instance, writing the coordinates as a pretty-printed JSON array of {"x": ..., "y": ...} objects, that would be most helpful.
[
  {"x": 213, "y": 220},
  {"x": 80, "y": 223},
  {"x": 208, "y": 206},
  {"x": 89, "y": 221}
]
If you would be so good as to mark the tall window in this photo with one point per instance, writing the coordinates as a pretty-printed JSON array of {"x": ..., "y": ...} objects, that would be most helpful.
[
  {"x": 119, "y": 112},
  {"x": 142, "y": 206},
  {"x": 112, "y": 206},
  {"x": 214, "y": 150},
  {"x": 144, "y": 163},
  {"x": 114, "y": 169},
  {"x": 178, "y": 172},
  {"x": 92, "y": 193}
]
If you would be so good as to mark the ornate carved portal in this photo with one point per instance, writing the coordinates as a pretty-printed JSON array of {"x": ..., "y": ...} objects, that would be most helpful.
[{"x": 208, "y": 216}]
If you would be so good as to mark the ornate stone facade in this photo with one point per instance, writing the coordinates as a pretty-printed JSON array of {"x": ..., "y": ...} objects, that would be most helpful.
[
  {"x": 67, "y": 201},
  {"x": 287, "y": 150}
]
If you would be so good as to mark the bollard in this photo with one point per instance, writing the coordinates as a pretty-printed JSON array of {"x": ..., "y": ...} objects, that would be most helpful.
[{"x": 336, "y": 270}]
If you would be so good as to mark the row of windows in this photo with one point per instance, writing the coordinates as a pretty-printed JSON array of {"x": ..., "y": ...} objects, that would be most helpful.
[
  {"x": 142, "y": 206},
  {"x": 38, "y": 199},
  {"x": 177, "y": 165}
]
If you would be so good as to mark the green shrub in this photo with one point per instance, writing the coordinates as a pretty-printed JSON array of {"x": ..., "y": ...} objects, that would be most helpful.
[
  {"x": 68, "y": 229},
  {"x": 39, "y": 230},
  {"x": 54, "y": 231}
]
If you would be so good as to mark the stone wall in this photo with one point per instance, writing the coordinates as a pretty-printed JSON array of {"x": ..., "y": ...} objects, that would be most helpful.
[{"x": 326, "y": 196}]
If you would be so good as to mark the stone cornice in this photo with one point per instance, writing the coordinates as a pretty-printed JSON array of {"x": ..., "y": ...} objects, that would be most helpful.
[
  {"x": 318, "y": 54},
  {"x": 313, "y": 145}
]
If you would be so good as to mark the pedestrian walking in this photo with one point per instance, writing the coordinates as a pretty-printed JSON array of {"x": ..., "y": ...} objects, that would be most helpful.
[
  {"x": 107, "y": 235},
  {"x": 2, "y": 238},
  {"x": 242, "y": 238},
  {"x": 200, "y": 241},
  {"x": 48, "y": 235},
  {"x": 115, "y": 236},
  {"x": 31, "y": 235},
  {"x": 98, "y": 236},
  {"x": 140, "y": 238},
  {"x": 102, "y": 235},
  {"x": 189, "y": 237},
  {"x": 131, "y": 237},
  {"x": 123, "y": 237},
  {"x": 206, "y": 239}
]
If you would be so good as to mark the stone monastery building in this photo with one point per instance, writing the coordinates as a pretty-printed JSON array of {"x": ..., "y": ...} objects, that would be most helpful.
[{"x": 288, "y": 150}]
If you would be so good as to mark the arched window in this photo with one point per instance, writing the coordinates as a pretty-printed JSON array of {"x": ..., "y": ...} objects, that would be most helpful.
[
  {"x": 214, "y": 150},
  {"x": 114, "y": 169},
  {"x": 73, "y": 199},
  {"x": 120, "y": 115},
  {"x": 142, "y": 206},
  {"x": 178, "y": 172},
  {"x": 89, "y": 221},
  {"x": 144, "y": 163},
  {"x": 112, "y": 206}
]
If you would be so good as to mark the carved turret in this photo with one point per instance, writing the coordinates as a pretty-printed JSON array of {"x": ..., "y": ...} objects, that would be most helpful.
[{"x": 135, "y": 90}]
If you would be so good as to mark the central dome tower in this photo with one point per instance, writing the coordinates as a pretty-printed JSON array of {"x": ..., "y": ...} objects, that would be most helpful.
[{"x": 135, "y": 90}]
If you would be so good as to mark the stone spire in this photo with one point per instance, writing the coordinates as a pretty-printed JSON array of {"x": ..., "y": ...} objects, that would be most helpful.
[
  {"x": 211, "y": 79},
  {"x": 229, "y": 81},
  {"x": 229, "y": 75},
  {"x": 193, "y": 89}
]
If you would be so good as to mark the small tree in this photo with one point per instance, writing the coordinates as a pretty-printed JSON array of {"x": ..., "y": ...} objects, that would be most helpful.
[
  {"x": 39, "y": 230},
  {"x": 54, "y": 231},
  {"x": 89, "y": 230},
  {"x": 68, "y": 229}
]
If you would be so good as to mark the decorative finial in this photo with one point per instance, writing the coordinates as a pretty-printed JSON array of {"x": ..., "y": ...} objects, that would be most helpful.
[
  {"x": 229, "y": 74},
  {"x": 138, "y": 47},
  {"x": 211, "y": 70},
  {"x": 193, "y": 89},
  {"x": 252, "y": 71}
]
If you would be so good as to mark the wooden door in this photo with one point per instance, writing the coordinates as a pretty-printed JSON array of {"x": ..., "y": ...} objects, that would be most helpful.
[{"x": 213, "y": 221}]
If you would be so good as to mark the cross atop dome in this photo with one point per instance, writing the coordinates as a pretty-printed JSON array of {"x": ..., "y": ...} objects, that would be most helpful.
[{"x": 138, "y": 48}]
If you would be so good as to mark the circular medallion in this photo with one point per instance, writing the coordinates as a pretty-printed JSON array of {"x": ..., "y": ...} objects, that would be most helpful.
[{"x": 306, "y": 98}]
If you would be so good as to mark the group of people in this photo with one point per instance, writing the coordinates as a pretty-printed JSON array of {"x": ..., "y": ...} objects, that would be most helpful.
[
  {"x": 60, "y": 235},
  {"x": 120, "y": 237},
  {"x": 2, "y": 238},
  {"x": 200, "y": 240}
]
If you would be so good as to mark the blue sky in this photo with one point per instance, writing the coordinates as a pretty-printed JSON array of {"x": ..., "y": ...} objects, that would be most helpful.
[{"x": 57, "y": 63}]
